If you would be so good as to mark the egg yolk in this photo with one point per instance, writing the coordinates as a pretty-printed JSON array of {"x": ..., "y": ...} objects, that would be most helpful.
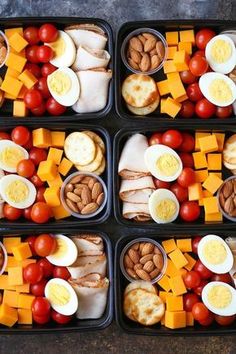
[
  {"x": 58, "y": 294},
  {"x": 214, "y": 252},
  {"x": 17, "y": 191},
  {"x": 59, "y": 82},
  {"x": 61, "y": 249},
  {"x": 221, "y": 51},
  {"x": 10, "y": 156},
  {"x": 167, "y": 164},
  {"x": 219, "y": 296},
  {"x": 166, "y": 209},
  {"x": 220, "y": 91},
  {"x": 58, "y": 47}
]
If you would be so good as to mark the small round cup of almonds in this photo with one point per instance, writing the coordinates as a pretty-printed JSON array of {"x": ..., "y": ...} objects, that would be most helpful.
[
  {"x": 4, "y": 48},
  {"x": 83, "y": 194},
  {"x": 144, "y": 259},
  {"x": 144, "y": 51},
  {"x": 227, "y": 198},
  {"x": 3, "y": 258}
]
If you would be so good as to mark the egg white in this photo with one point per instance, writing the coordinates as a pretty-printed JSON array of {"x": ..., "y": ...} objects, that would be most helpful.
[
  {"x": 205, "y": 82},
  {"x": 67, "y": 58},
  {"x": 227, "y": 311},
  {"x": 156, "y": 197},
  {"x": 6, "y": 144},
  {"x": 71, "y": 307},
  {"x": 69, "y": 257}
]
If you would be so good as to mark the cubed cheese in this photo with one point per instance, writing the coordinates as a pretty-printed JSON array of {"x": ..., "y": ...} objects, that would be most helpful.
[
  {"x": 199, "y": 135},
  {"x": 214, "y": 162},
  {"x": 189, "y": 319},
  {"x": 169, "y": 67},
  {"x": 186, "y": 46},
  {"x": 22, "y": 251},
  {"x": 212, "y": 183},
  {"x": 52, "y": 196},
  {"x": 65, "y": 166},
  {"x": 162, "y": 104},
  {"x": 11, "y": 85},
  {"x": 164, "y": 283},
  {"x": 47, "y": 170},
  {"x": 181, "y": 60},
  {"x": 58, "y": 139},
  {"x": 174, "y": 303},
  {"x": 28, "y": 79},
  {"x": 220, "y": 137},
  {"x": 200, "y": 160},
  {"x": 41, "y": 138},
  {"x": 191, "y": 262},
  {"x": 55, "y": 155},
  {"x": 19, "y": 109},
  {"x": 172, "y": 38},
  {"x": 214, "y": 217},
  {"x": 171, "y": 51},
  {"x": 17, "y": 42},
  {"x": 56, "y": 182},
  {"x": 15, "y": 276},
  {"x": 184, "y": 244},
  {"x": 163, "y": 87},
  {"x": 178, "y": 258},
  {"x": 10, "y": 242},
  {"x": 12, "y": 73},
  {"x": 176, "y": 319},
  {"x": 177, "y": 285},
  {"x": 162, "y": 295},
  {"x": 169, "y": 245},
  {"x": 171, "y": 107},
  {"x": 25, "y": 316},
  {"x": 8, "y": 315},
  {"x": 15, "y": 61},
  {"x": 208, "y": 144},
  {"x": 210, "y": 205},
  {"x": 195, "y": 191},
  {"x": 171, "y": 269},
  {"x": 25, "y": 301},
  {"x": 10, "y": 298},
  {"x": 201, "y": 175},
  {"x": 10, "y": 31},
  {"x": 60, "y": 212},
  {"x": 187, "y": 36}
]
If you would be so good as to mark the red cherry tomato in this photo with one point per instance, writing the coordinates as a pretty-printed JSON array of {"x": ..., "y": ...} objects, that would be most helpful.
[
  {"x": 48, "y": 33},
  {"x": 41, "y": 212},
  {"x": 47, "y": 267},
  {"x": 208, "y": 321},
  {"x": 191, "y": 279},
  {"x": 42, "y": 86},
  {"x": 61, "y": 272},
  {"x": 25, "y": 168},
  {"x": 59, "y": 318},
  {"x": 225, "y": 278},
  {"x": 27, "y": 213},
  {"x": 33, "y": 273},
  {"x": 31, "y": 54},
  {"x": 205, "y": 109},
  {"x": 161, "y": 184},
  {"x": 31, "y": 35},
  {"x": 34, "y": 69},
  {"x": 38, "y": 288},
  {"x": 187, "y": 109},
  {"x": 54, "y": 108},
  {"x": 155, "y": 138},
  {"x": 42, "y": 319},
  {"x": 225, "y": 320},
  {"x": 31, "y": 240},
  {"x": 189, "y": 211},
  {"x": 187, "y": 177},
  {"x": 200, "y": 52},
  {"x": 199, "y": 288},
  {"x": 37, "y": 155},
  {"x": 200, "y": 311},
  {"x": 40, "y": 110},
  {"x": 195, "y": 243},
  {"x": 44, "y": 53},
  {"x": 172, "y": 138},
  {"x": 198, "y": 65},
  {"x": 36, "y": 181},
  {"x": 194, "y": 93},
  {"x": 187, "y": 159},
  {"x": 180, "y": 192},
  {"x": 11, "y": 213},
  {"x": 204, "y": 272},
  {"x": 5, "y": 136},
  {"x": 203, "y": 37},
  {"x": 45, "y": 245},
  {"x": 224, "y": 112},
  {"x": 20, "y": 135},
  {"x": 40, "y": 306},
  {"x": 187, "y": 77},
  {"x": 47, "y": 69},
  {"x": 40, "y": 194},
  {"x": 29, "y": 143},
  {"x": 189, "y": 300},
  {"x": 33, "y": 98},
  {"x": 188, "y": 143}
]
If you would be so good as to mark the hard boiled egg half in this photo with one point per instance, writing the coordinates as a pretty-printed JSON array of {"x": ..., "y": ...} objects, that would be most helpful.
[
  {"x": 62, "y": 296},
  {"x": 10, "y": 155},
  {"x": 64, "y": 50},
  {"x": 219, "y": 89},
  {"x": 163, "y": 162},
  {"x": 66, "y": 252},
  {"x": 64, "y": 86},
  {"x": 17, "y": 191},
  {"x": 163, "y": 206}
]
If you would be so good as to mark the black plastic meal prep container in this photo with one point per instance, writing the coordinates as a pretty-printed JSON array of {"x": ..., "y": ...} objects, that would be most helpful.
[
  {"x": 60, "y": 23},
  {"x": 121, "y": 282},
  {"x": 71, "y": 221},
  {"x": 118, "y": 144},
  {"x": 121, "y": 72},
  {"x": 75, "y": 325}
]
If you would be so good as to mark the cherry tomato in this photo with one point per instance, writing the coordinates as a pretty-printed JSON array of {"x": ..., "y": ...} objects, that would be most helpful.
[
  {"x": 198, "y": 65},
  {"x": 20, "y": 135},
  {"x": 187, "y": 177},
  {"x": 11, "y": 213},
  {"x": 25, "y": 168},
  {"x": 34, "y": 69},
  {"x": 40, "y": 110},
  {"x": 155, "y": 138},
  {"x": 44, "y": 53},
  {"x": 200, "y": 52},
  {"x": 224, "y": 112},
  {"x": 187, "y": 109},
  {"x": 189, "y": 300},
  {"x": 40, "y": 306},
  {"x": 45, "y": 245},
  {"x": 31, "y": 241},
  {"x": 48, "y": 33},
  {"x": 188, "y": 143},
  {"x": 5, "y": 136},
  {"x": 225, "y": 278},
  {"x": 37, "y": 155},
  {"x": 225, "y": 320},
  {"x": 36, "y": 181},
  {"x": 61, "y": 272},
  {"x": 38, "y": 288},
  {"x": 200, "y": 311},
  {"x": 42, "y": 86},
  {"x": 54, "y": 108},
  {"x": 27, "y": 213},
  {"x": 191, "y": 279},
  {"x": 33, "y": 273},
  {"x": 208, "y": 321},
  {"x": 40, "y": 194},
  {"x": 31, "y": 54},
  {"x": 189, "y": 211},
  {"x": 203, "y": 37},
  {"x": 47, "y": 69},
  {"x": 180, "y": 192},
  {"x": 199, "y": 288},
  {"x": 195, "y": 243},
  {"x": 204, "y": 272},
  {"x": 33, "y": 98},
  {"x": 31, "y": 35},
  {"x": 161, "y": 184},
  {"x": 193, "y": 92},
  {"x": 172, "y": 138},
  {"x": 187, "y": 77},
  {"x": 47, "y": 267},
  {"x": 41, "y": 212},
  {"x": 29, "y": 143},
  {"x": 205, "y": 109},
  {"x": 187, "y": 159},
  {"x": 42, "y": 319},
  {"x": 59, "y": 318}
]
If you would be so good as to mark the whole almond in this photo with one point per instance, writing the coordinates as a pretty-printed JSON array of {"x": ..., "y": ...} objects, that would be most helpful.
[
  {"x": 156, "y": 250},
  {"x": 135, "y": 246},
  {"x": 86, "y": 180},
  {"x": 155, "y": 62},
  {"x": 160, "y": 49},
  {"x": 71, "y": 205},
  {"x": 233, "y": 213},
  {"x": 142, "y": 39},
  {"x": 100, "y": 199},
  {"x": 96, "y": 190},
  {"x": 141, "y": 245},
  {"x": 133, "y": 255},
  {"x": 143, "y": 275},
  {"x": 69, "y": 187},
  {"x": 145, "y": 63},
  {"x": 149, "y": 44},
  {"x": 135, "y": 56},
  {"x": 234, "y": 201},
  {"x": 136, "y": 44},
  {"x": 132, "y": 273},
  {"x": 86, "y": 196},
  {"x": 146, "y": 258},
  {"x": 77, "y": 179},
  {"x": 149, "y": 35},
  {"x": 149, "y": 267},
  {"x": 154, "y": 273},
  {"x": 228, "y": 189},
  {"x": 158, "y": 261},
  {"x": 138, "y": 266},
  {"x": 153, "y": 52},
  {"x": 128, "y": 262},
  {"x": 78, "y": 191},
  {"x": 73, "y": 197},
  {"x": 89, "y": 208},
  {"x": 234, "y": 183},
  {"x": 133, "y": 64},
  {"x": 80, "y": 206},
  {"x": 229, "y": 205},
  {"x": 147, "y": 248},
  {"x": 91, "y": 183},
  {"x": 222, "y": 199}
]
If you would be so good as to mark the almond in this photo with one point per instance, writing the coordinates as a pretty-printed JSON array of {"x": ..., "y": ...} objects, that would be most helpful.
[
  {"x": 86, "y": 180},
  {"x": 86, "y": 196},
  {"x": 148, "y": 267},
  {"x": 160, "y": 49},
  {"x": 222, "y": 200},
  {"x": 138, "y": 266},
  {"x": 143, "y": 275},
  {"x": 89, "y": 208},
  {"x": 233, "y": 214},
  {"x": 142, "y": 39},
  {"x": 77, "y": 179},
  {"x": 149, "y": 44},
  {"x": 141, "y": 245},
  {"x": 153, "y": 52},
  {"x": 146, "y": 258},
  {"x": 80, "y": 206},
  {"x": 158, "y": 261},
  {"x": 96, "y": 190},
  {"x": 91, "y": 183},
  {"x": 136, "y": 44},
  {"x": 133, "y": 255},
  {"x": 149, "y": 36},
  {"x": 229, "y": 205},
  {"x": 73, "y": 197},
  {"x": 128, "y": 262},
  {"x": 100, "y": 199},
  {"x": 133, "y": 64},
  {"x": 69, "y": 187},
  {"x": 78, "y": 191},
  {"x": 147, "y": 248},
  {"x": 135, "y": 246},
  {"x": 155, "y": 62},
  {"x": 156, "y": 250},
  {"x": 71, "y": 205},
  {"x": 132, "y": 273},
  {"x": 154, "y": 273},
  {"x": 234, "y": 183},
  {"x": 228, "y": 189},
  {"x": 135, "y": 56},
  {"x": 145, "y": 63}
]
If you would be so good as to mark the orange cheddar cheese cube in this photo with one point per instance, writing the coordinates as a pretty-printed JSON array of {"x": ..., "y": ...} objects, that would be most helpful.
[
  {"x": 220, "y": 137},
  {"x": 191, "y": 262},
  {"x": 55, "y": 155},
  {"x": 177, "y": 89},
  {"x": 195, "y": 191},
  {"x": 22, "y": 251},
  {"x": 212, "y": 183},
  {"x": 10, "y": 298},
  {"x": 177, "y": 285},
  {"x": 214, "y": 162},
  {"x": 210, "y": 205},
  {"x": 7, "y": 96},
  {"x": 181, "y": 60},
  {"x": 17, "y": 42},
  {"x": 162, "y": 295},
  {"x": 25, "y": 316},
  {"x": 169, "y": 67},
  {"x": 8, "y": 315},
  {"x": 58, "y": 139},
  {"x": 19, "y": 109},
  {"x": 201, "y": 175},
  {"x": 52, "y": 196},
  {"x": 173, "y": 77},
  {"x": 186, "y": 46},
  {"x": 25, "y": 301},
  {"x": 162, "y": 104},
  {"x": 171, "y": 51},
  {"x": 15, "y": 275},
  {"x": 21, "y": 54},
  {"x": 172, "y": 38},
  {"x": 47, "y": 170},
  {"x": 174, "y": 303},
  {"x": 27, "y": 261},
  {"x": 214, "y": 217},
  {"x": 182, "y": 98},
  {"x": 22, "y": 92},
  {"x": 10, "y": 242},
  {"x": 182, "y": 272},
  {"x": 56, "y": 182},
  {"x": 15, "y": 61},
  {"x": 169, "y": 245},
  {"x": 24, "y": 288},
  {"x": 199, "y": 159},
  {"x": 208, "y": 143},
  {"x": 12, "y": 262},
  {"x": 199, "y": 135},
  {"x": 60, "y": 212},
  {"x": 12, "y": 73},
  {"x": 41, "y": 138},
  {"x": 171, "y": 107},
  {"x": 189, "y": 319},
  {"x": 163, "y": 87},
  {"x": 164, "y": 283},
  {"x": 171, "y": 269},
  {"x": 218, "y": 174},
  {"x": 206, "y": 194},
  {"x": 184, "y": 244},
  {"x": 11, "y": 85},
  {"x": 178, "y": 258},
  {"x": 28, "y": 79},
  {"x": 187, "y": 36},
  {"x": 176, "y": 319},
  {"x": 4, "y": 285},
  {"x": 10, "y": 31},
  {"x": 65, "y": 166}
]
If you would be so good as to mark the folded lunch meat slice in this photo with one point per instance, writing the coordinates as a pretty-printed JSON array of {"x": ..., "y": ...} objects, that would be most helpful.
[
  {"x": 89, "y": 245},
  {"x": 85, "y": 265},
  {"x": 136, "y": 191},
  {"x": 87, "y": 58},
  {"x": 138, "y": 212},
  {"x": 87, "y": 34}
]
